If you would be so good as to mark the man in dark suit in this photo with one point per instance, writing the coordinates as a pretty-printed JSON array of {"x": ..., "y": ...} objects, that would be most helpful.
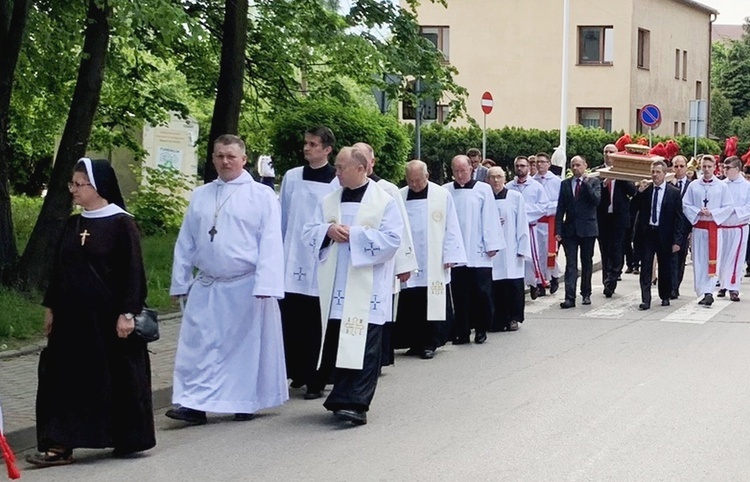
[
  {"x": 660, "y": 225},
  {"x": 575, "y": 223},
  {"x": 613, "y": 216},
  {"x": 680, "y": 181},
  {"x": 478, "y": 171}
]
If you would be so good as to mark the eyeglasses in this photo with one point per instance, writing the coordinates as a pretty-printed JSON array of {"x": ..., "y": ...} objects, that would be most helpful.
[
  {"x": 729, "y": 166},
  {"x": 77, "y": 185}
]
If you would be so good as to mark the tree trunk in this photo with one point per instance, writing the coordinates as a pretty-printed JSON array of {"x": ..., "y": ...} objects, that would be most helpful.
[
  {"x": 229, "y": 92},
  {"x": 37, "y": 258},
  {"x": 13, "y": 16}
]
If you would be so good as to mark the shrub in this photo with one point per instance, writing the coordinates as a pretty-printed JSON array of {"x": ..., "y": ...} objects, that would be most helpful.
[
  {"x": 25, "y": 212},
  {"x": 159, "y": 205}
]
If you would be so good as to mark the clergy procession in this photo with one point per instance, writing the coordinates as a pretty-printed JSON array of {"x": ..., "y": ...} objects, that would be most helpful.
[{"x": 316, "y": 287}]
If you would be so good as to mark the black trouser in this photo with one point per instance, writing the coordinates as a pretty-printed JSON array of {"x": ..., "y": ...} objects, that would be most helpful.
[
  {"x": 509, "y": 300},
  {"x": 678, "y": 266},
  {"x": 412, "y": 328},
  {"x": 300, "y": 323},
  {"x": 611, "y": 247},
  {"x": 472, "y": 298},
  {"x": 651, "y": 248},
  {"x": 571, "y": 245}
]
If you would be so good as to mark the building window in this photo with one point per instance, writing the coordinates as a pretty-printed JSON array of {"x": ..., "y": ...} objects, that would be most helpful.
[
  {"x": 677, "y": 64},
  {"x": 440, "y": 38},
  {"x": 644, "y": 46},
  {"x": 684, "y": 65},
  {"x": 676, "y": 128},
  {"x": 682, "y": 128},
  {"x": 596, "y": 117},
  {"x": 442, "y": 112},
  {"x": 595, "y": 45},
  {"x": 698, "y": 90}
]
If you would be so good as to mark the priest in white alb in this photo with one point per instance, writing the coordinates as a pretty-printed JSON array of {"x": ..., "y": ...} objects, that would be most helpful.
[
  {"x": 230, "y": 353},
  {"x": 734, "y": 230},
  {"x": 425, "y": 312},
  {"x": 537, "y": 206},
  {"x": 706, "y": 205},
  {"x": 356, "y": 230},
  {"x": 403, "y": 263},
  {"x": 302, "y": 189},
  {"x": 471, "y": 285},
  {"x": 508, "y": 266}
]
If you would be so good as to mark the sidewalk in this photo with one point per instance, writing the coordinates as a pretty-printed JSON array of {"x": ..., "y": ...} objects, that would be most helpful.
[{"x": 18, "y": 376}]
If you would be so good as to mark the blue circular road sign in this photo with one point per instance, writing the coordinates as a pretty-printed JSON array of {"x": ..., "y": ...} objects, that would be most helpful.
[{"x": 650, "y": 115}]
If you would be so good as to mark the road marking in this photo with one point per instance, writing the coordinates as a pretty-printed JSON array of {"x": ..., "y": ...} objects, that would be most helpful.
[
  {"x": 695, "y": 313},
  {"x": 616, "y": 307},
  {"x": 543, "y": 303}
]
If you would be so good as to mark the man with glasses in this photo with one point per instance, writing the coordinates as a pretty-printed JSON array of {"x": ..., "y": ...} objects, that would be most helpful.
[
  {"x": 734, "y": 230},
  {"x": 680, "y": 181},
  {"x": 613, "y": 218},
  {"x": 478, "y": 171},
  {"x": 536, "y": 203},
  {"x": 706, "y": 205},
  {"x": 546, "y": 242}
]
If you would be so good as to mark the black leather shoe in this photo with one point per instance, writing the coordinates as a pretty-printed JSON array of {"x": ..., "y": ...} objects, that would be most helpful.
[
  {"x": 636, "y": 270},
  {"x": 665, "y": 302},
  {"x": 533, "y": 292},
  {"x": 629, "y": 270},
  {"x": 674, "y": 295},
  {"x": 644, "y": 306},
  {"x": 608, "y": 292},
  {"x": 513, "y": 326},
  {"x": 461, "y": 340},
  {"x": 541, "y": 290},
  {"x": 413, "y": 352},
  {"x": 480, "y": 337},
  {"x": 427, "y": 355},
  {"x": 243, "y": 417},
  {"x": 357, "y": 418},
  {"x": 554, "y": 285},
  {"x": 184, "y": 414},
  {"x": 567, "y": 304},
  {"x": 296, "y": 384},
  {"x": 586, "y": 300},
  {"x": 313, "y": 394},
  {"x": 722, "y": 293},
  {"x": 734, "y": 295},
  {"x": 708, "y": 300}
]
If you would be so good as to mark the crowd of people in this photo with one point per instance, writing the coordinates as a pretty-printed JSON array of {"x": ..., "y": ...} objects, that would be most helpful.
[{"x": 319, "y": 285}]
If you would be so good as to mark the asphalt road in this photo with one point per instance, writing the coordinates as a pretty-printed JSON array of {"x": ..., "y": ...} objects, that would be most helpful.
[{"x": 604, "y": 392}]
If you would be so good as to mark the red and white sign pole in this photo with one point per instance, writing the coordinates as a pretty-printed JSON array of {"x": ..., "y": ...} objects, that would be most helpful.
[{"x": 487, "y": 104}]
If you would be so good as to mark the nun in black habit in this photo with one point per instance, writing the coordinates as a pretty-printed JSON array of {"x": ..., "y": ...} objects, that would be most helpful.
[{"x": 94, "y": 375}]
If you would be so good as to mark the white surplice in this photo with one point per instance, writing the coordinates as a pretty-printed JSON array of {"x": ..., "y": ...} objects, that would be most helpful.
[
  {"x": 537, "y": 204},
  {"x": 715, "y": 196},
  {"x": 478, "y": 219},
  {"x": 551, "y": 185},
  {"x": 230, "y": 354},
  {"x": 299, "y": 199},
  {"x": 509, "y": 263},
  {"x": 368, "y": 250},
  {"x": 733, "y": 235},
  {"x": 448, "y": 244}
]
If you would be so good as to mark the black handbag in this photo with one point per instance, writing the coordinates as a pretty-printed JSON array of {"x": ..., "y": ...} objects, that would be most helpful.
[{"x": 147, "y": 325}]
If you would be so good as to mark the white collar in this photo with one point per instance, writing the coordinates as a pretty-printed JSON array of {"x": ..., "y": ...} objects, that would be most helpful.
[{"x": 105, "y": 212}]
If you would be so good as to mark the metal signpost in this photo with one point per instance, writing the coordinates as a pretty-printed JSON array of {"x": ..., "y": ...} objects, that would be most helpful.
[
  {"x": 487, "y": 104},
  {"x": 698, "y": 116},
  {"x": 651, "y": 117}
]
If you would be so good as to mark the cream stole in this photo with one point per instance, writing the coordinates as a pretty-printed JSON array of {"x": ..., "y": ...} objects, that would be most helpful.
[
  {"x": 359, "y": 281},
  {"x": 437, "y": 198}
]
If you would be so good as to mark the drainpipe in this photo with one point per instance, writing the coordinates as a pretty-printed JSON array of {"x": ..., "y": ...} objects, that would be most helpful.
[{"x": 710, "y": 63}]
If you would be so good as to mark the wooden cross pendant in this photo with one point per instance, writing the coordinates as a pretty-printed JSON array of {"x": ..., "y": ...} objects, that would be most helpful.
[
  {"x": 85, "y": 234},
  {"x": 213, "y": 233}
]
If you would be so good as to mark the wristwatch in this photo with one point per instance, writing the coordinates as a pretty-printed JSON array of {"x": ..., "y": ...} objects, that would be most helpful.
[{"x": 129, "y": 316}]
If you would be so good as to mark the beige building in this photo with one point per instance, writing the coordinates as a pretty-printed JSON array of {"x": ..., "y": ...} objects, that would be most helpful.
[{"x": 623, "y": 54}]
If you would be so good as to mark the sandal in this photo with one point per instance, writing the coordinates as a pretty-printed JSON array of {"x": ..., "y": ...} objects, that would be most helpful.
[{"x": 51, "y": 458}]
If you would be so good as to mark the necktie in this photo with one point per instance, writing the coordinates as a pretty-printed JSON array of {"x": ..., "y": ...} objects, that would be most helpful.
[
  {"x": 679, "y": 186},
  {"x": 578, "y": 187},
  {"x": 653, "y": 205}
]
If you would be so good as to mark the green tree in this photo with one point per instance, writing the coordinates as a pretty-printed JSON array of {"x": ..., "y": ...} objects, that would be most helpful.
[{"x": 721, "y": 114}]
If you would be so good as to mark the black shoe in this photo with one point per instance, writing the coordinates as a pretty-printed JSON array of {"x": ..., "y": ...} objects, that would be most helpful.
[
  {"x": 734, "y": 295},
  {"x": 708, "y": 300},
  {"x": 636, "y": 270},
  {"x": 184, "y": 414},
  {"x": 629, "y": 270},
  {"x": 357, "y": 418},
  {"x": 619, "y": 278},
  {"x": 296, "y": 384},
  {"x": 747, "y": 273},
  {"x": 554, "y": 285},
  {"x": 674, "y": 295},
  {"x": 461, "y": 340},
  {"x": 665, "y": 302},
  {"x": 722, "y": 293},
  {"x": 542, "y": 291},
  {"x": 480, "y": 337},
  {"x": 608, "y": 292},
  {"x": 243, "y": 417},
  {"x": 533, "y": 292},
  {"x": 413, "y": 352},
  {"x": 513, "y": 326},
  {"x": 427, "y": 355},
  {"x": 644, "y": 306},
  {"x": 586, "y": 300},
  {"x": 567, "y": 304},
  {"x": 313, "y": 394}
]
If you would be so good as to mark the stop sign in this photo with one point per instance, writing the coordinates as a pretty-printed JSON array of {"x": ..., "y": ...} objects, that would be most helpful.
[{"x": 487, "y": 103}]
